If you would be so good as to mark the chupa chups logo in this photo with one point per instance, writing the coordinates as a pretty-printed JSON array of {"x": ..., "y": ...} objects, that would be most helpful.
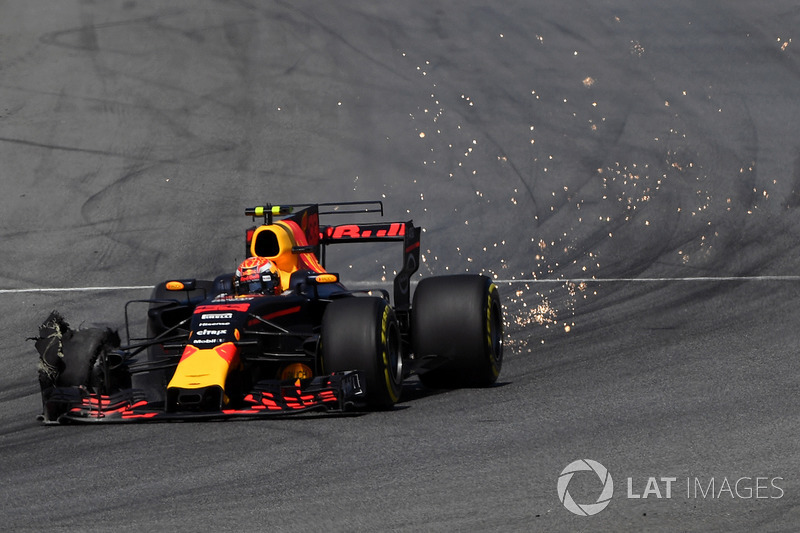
[{"x": 585, "y": 509}]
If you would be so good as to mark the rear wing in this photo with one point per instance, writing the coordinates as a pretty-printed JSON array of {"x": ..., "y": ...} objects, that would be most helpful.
[{"x": 318, "y": 237}]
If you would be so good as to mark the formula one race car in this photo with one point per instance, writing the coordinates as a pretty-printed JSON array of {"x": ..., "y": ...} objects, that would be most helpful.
[{"x": 281, "y": 335}]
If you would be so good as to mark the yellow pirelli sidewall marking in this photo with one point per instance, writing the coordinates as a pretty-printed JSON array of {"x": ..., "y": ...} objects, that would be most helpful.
[
  {"x": 385, "y": 347},
  {"x": 492, "y": 361},
  {"x": 203, "y": 368}
]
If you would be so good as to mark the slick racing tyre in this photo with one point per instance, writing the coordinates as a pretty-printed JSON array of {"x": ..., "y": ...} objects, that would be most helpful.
[
  {"x": 460, "y": 319},
  {"x": 362, "y": 333}
]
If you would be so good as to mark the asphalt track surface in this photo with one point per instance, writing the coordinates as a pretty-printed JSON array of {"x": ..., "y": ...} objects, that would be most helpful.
[{"x": 632, "y": 168}]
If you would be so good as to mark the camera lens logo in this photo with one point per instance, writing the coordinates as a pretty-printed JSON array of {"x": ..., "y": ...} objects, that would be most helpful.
[{"x": 585, "y": 509}]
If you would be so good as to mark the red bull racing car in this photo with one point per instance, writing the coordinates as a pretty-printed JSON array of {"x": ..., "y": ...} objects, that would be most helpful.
[{"x": 280, "y": 335}]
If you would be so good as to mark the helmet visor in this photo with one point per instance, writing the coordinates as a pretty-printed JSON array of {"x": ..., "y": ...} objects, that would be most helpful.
[
  {"x": 266, "y": 285},
  {"x": 251, "y": 287}
]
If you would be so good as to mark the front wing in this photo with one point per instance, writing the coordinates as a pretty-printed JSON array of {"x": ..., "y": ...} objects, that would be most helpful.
[{"x": 335, "y": 393}]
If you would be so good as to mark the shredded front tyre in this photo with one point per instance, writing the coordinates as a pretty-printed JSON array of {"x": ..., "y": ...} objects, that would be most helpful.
[{"x": 75, "y": 359}]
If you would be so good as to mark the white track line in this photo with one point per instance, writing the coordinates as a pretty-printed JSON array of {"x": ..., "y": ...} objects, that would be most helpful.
[
  {"x": 75, "y": 289},
  {"x": 503, "y": 281},
  {"x": 652, "y": 280}
]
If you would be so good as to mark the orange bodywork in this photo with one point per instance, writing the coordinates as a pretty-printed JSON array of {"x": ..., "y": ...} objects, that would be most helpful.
[
  {"x": 205, "y": 367},
  {"x": 276, "y": 242}
]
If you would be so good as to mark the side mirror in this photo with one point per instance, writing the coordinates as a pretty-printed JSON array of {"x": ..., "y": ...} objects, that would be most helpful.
[{"x": 305, "y": 280}]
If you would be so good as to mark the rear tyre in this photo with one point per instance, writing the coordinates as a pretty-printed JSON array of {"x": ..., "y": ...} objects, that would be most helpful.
[
  {"x": 460, "y": 319},
  {"x": 362, "y": 333}
]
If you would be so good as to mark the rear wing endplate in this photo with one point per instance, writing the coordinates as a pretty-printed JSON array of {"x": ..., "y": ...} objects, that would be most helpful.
[{"x": 405, "y": 232}]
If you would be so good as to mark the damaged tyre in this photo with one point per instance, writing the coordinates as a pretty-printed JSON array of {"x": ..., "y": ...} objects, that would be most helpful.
[{"x": 81, "y": 358}]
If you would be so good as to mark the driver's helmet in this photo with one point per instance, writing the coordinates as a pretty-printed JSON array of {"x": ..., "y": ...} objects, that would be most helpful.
[{"x": 256, "y": 275}]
